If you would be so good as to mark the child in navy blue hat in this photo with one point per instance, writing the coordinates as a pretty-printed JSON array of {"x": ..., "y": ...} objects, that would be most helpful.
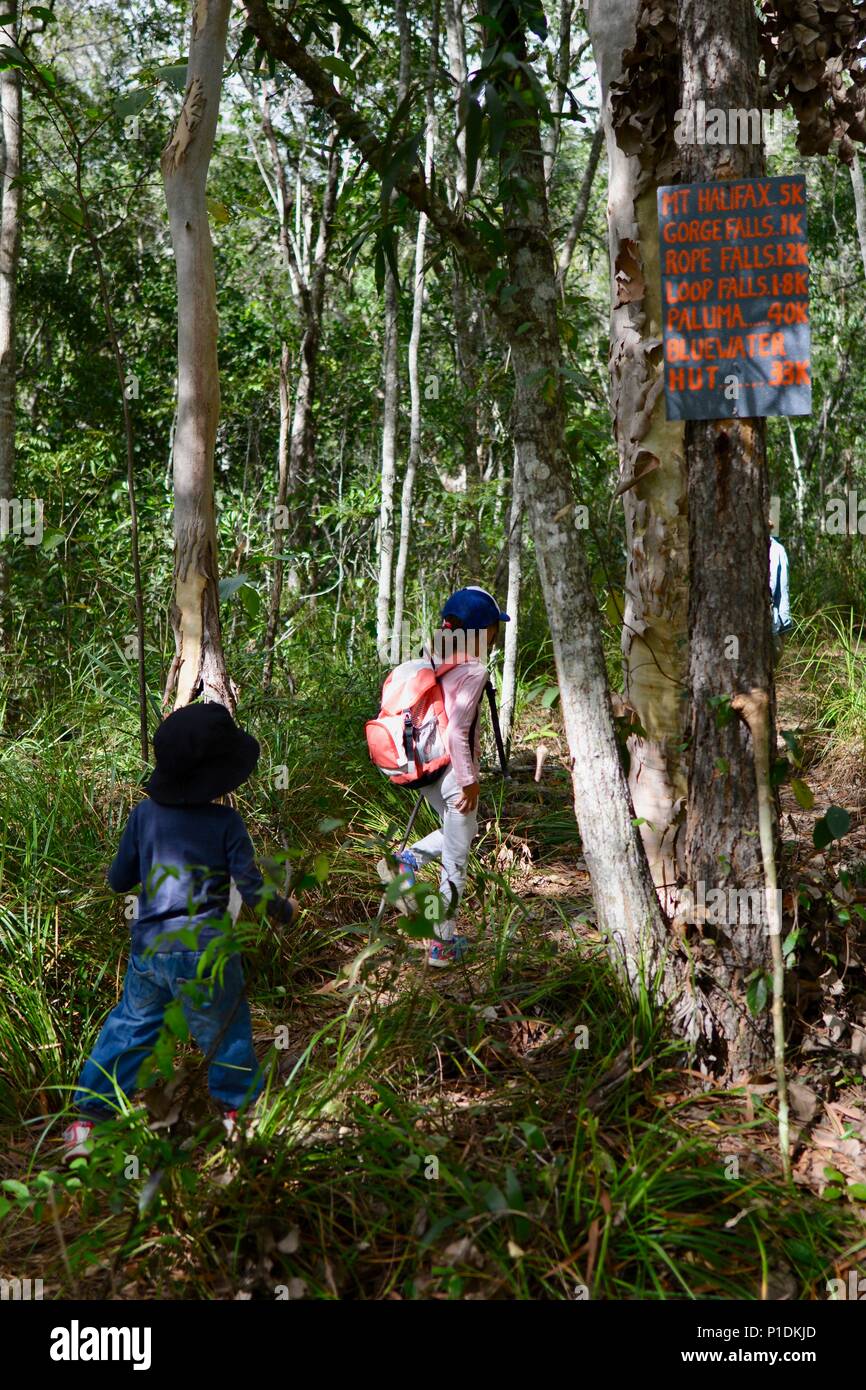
[
  {"x": 473, "y": 616},
  {"x": 184, "y": 850}
]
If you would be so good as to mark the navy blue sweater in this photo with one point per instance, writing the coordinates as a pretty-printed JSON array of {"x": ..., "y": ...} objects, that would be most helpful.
[{"x": 184, "y": 857}]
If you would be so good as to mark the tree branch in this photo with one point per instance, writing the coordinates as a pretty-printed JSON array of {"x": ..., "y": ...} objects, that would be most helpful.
[{"x": 279, "y": 43}]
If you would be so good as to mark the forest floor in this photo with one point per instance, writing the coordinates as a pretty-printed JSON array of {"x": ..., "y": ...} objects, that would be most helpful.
[{"x": 507, "y": 1129}]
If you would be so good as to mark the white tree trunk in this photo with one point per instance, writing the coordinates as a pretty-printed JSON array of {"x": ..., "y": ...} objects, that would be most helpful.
[
  {"x": 414, "y": 356},
  {"x": 199, "y": 664},
  {"x": 859, "y": 206},
  {"x": 391, "y": 397},
  {"x": 512, "y": 604}
]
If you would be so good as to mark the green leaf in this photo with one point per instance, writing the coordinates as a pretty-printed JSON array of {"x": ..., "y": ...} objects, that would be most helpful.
[
  {"x": 833, "y": 1174},
  {"x": 830, "y": 827},
  {"x": 251, "y": 600},
  {"x": 321, "y": 867},
  {"x": 495, "y": 1199},
  {"x": 330, "y": 823},
  {"x": 832, "y": 1194},
  {"x": 41, "y": 12},
  {"x": 229, "y": 587},
  {"x": 5, "y": 1206},
  {"x": 175, "y": 1020},
  {"x": 838, "y": 821},
  {"x": 550, "y": 697},
  {"x": 248, "y": 38},
  {"x": 757, "y": 993},
  {"x": 130, "y": 103},
  {"x": 218, "y": 211},
  {"x": 614, "y": 608},
  {"x": 804, "y": 794},
  {"x": 51, "y": 539},
  {"x": 174, "y": 74},
  {"x": 15, "y": 1187},
  {"x": 857, "y": 1190},
  {"x": 338, "y": 66}
]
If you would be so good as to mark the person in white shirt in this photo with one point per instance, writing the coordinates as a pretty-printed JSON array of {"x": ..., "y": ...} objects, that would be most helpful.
[{"x": 781, "y": 607}]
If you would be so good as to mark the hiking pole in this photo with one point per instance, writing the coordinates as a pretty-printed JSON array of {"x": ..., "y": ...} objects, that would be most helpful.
[
  {"x": 403, "y": 843},
  {"x": 415, "y": 809},
  {"x": 497, "y": 732}
]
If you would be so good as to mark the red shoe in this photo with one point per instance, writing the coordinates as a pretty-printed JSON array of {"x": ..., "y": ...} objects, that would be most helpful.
[{"x": 76, "y": 1140}]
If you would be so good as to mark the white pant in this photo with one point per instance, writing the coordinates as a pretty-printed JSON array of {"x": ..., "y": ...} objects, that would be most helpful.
[{"x": 451, "y": 844}]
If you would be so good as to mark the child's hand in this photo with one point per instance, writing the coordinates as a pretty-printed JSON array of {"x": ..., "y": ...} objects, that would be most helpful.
[{"x": 469, "y": 799}]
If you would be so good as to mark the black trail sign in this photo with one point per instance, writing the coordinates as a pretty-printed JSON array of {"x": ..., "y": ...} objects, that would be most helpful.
[{"x": 735, "y": 298}]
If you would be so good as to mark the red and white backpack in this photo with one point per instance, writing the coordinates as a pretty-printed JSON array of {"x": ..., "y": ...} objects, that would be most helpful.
[{"x": 409, "y": 740}]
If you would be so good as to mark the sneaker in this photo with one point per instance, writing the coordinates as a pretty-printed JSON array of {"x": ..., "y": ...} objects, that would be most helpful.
[
  {"x": 405, "y": 871},
  {"x": 235, "y": 1125},
  {"x": 76, "y": 1140},
  {"x": 445, "y": 953}
]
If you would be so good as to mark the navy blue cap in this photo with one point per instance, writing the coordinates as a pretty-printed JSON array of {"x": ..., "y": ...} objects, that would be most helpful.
[{"x": 474, "y": 608}]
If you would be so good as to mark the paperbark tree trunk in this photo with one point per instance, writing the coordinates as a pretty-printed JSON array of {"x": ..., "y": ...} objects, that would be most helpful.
[
  {"x": 652, "y": 483},
  {"x": 729, "y": 612},
  {"x": 199, "y": 664},
  {"x": 414, "y": 352},
  {"x": 10, "y": 250}
]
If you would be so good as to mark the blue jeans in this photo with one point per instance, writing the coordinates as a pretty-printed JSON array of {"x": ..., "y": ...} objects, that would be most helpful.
[{"x": 218, "y": 1017}]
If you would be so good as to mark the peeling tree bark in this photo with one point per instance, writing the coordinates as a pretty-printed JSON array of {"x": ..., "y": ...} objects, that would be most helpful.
[
  {"x": 729, "y": 615},
  {"x": 652, "y": 483},
  {"x": 199, "y": 664}
]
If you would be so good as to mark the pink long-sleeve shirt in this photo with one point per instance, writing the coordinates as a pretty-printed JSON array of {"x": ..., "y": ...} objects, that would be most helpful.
[{"x": 462, "y": 689}]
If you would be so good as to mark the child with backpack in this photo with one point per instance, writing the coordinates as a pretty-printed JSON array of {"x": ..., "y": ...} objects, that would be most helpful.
[
  {"x": 427, "y": 737},
  {"x": 183, "y": 849}
]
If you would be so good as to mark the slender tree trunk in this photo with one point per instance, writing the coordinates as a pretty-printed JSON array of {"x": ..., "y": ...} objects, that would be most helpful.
[
  {"x": 652, "y": 482},
  {"x": 552, "y": 132},
  {"x": 390, "y": 394},
  {"x": 10, "y": 249},
  {"x": 414, "y": 352},
  {"x": 729, "y": 615},
  {"x": 279, "y": 531},
  {"x": 581, "y": 207},
  {"x": 465, "y": 309},
  {"x": 199, "y": 664},
  {"x": 859, "y": 205},
  {"x": 512, "y": 605}
]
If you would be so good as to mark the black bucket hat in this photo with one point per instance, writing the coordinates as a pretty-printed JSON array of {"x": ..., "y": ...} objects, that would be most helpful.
[{"x": 200, "y": 754}]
